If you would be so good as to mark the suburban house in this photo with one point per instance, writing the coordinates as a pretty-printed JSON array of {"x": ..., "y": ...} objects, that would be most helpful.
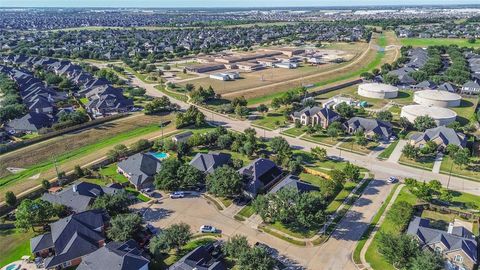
[
  {"x": 183, "y": 137},
  {"x": 206, "y": 257},
  {"x": 370, "y": 127},
  {"x": 140, "y": 169},
  {"x": 292, "y": 181},
  {"x": 471, "y": 87},
  {"x": 425, "y": 85},
  {"x": 441, "y": 135},
  {"x": 446, "y": 87},
  {"x": 259, "y": 176},
  {"x": 457, "y": 245},
  {"x": 116, "y": 256},
  {"x": 207, "y": 163},
  {"x": 316, "y": 116},
  {"x": 70, "y": 239},
  {"x": 79, "y": 196},
  {"x": 29, "y": 123}
]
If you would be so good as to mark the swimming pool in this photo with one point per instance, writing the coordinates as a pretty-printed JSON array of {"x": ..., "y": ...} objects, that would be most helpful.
[
  {"x": 12, "y": 267},
  {"x": 159, "y": 155}
]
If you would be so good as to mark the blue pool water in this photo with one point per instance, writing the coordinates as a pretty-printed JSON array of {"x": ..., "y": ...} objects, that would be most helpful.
[
  {"x": 12, "y": 267},
  {"x": 159, "y": 155}
]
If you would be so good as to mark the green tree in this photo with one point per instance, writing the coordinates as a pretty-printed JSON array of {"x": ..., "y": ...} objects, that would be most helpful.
[
  {"x": 78, "y": 171},
  {"x": 462, "y": 157},
  {"x": 280, "y": 145},
  {"x": 256, "y": 259},
  {"x": 262, "y": 108},
  {"x": 46, "y": 184},
  {"x": 423, "y": 123},
  {"x": 236, "y": 245},
  {"x": 225, "y": 182},
  {"x": 10, "y": 198},
  {"x": 427, "y": 260},
  {"x": 398, "y": 250},
  {"x": 114, "y": 204},
  {"x": 173, "y": 237},
  {"x": 351, "y": 172},
  {"x": 30, "y": 213},
  {"x": 345, "y": 110},
  {"x": 124, "y": 226},
  {"x": 410, "y": 151},
  {"x": 400, "y": 214},
  {"x": 385, "y": 116},
  {"x": 319, "y": 152}
]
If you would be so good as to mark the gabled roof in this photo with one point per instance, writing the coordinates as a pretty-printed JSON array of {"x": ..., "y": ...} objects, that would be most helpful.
[
  {"x": 140, "y": 167},
  {"x": 115, "y": 256},
  {"x": 420, "y": 228},
  {"x": 207, "y": 163},
  {"x": 30, "y": 122},
  {"x": 199, "y": 259},
  {"x": 446, "y": 87},
  {"x": 447, "y": 135},
  {"x": 259, "y": 173},
  {"x": 72, "y": 237},
  {"x": 365, "y": 124},
  {"x": 292, "y": 181},
  {"x": 78, "y": 196},
  {"x": 471, "y": 84},
  {"x": 327, "y": 113}
]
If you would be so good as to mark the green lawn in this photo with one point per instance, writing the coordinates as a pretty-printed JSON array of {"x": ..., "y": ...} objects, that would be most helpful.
[
  {"x": 388, "y": 151},
  {"x": 372, "y": 256},
  {"x": 110, "y": 172},
  {"x": 29, "y": 136},
  {"x": 341, "y": 196},
  {"x": 271, "y": 121},
  {"x": 15, "y": 244},
  {"x": 77, "y": 153},
  {"x": 246, "y": 211},
  {"x": 172, "y": 94},
  {"x": 466, "y": 110},
  {"x": 84, "y": 101},
  {"x": 471, "y": 172},
  {"x": 351, "y": 146},
  {"x": 425, "y": 42},
  {"x": 294, "y": 132},
  {"x": 423, "y": 163},
  {"x": 137, "y": 194},
  {"x": 321, "y": 139}
]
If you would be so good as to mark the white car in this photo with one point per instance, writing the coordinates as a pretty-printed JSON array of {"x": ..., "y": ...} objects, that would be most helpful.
[
  {"x": 177, "y": 195},
  {"x": 392, "y": 180},
  {"x": 208, "y": 229}
]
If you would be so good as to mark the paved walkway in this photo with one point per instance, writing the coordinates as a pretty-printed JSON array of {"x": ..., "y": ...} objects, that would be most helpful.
[
  {"x": 397, "y": 152},
  {"x": 366, "y": 265},
  {"x": 437, "y": 163}
]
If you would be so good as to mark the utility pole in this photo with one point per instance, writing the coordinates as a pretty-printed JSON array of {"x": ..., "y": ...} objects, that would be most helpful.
[{"x": 56, "y": 170}]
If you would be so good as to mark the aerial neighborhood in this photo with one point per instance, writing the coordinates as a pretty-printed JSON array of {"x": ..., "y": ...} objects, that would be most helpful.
[{"x": 252, "y": 138}]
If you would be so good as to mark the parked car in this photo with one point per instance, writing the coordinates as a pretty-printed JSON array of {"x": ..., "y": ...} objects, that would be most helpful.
[
  {"x": 392, "y": 180},
  {"x": 177, "y": 195},
  {"x": 208, "y": 229}
]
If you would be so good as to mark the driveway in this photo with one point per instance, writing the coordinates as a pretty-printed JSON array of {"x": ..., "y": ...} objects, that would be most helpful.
[{"x": 334, "y": 254}]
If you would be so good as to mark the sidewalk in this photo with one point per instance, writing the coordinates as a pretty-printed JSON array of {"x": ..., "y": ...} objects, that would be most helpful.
[
  {"x": 438, "y": 163},
  {"x": 397, "y": 152}
]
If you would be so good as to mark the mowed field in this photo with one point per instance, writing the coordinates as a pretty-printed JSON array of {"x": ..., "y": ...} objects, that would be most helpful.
[
  {"x": 425, "y": 42},
  {"x": 279, "y": 79},
  {"x": 82, "y": 147}
]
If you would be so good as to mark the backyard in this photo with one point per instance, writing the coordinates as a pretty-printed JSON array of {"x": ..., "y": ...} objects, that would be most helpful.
[{"x": 15, "y": 244}]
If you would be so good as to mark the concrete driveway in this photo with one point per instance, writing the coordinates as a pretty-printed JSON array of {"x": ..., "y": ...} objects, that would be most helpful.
[{"x": 334, "y": 254}]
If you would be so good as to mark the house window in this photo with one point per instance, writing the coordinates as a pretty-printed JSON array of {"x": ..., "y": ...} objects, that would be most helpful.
[{"x": 458, "y": 258}]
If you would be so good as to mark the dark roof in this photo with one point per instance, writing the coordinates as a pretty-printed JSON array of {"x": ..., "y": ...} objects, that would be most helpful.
[
  {"x": 115, "y": 256},
  {"x": 292, "y": 181},
  {"x": 260, "y": 173},
  {"x": 420, "y": 228},
  {"x": 72, "y": 237},
  {"x": 447, "y": 135},
  {"x": 199, "y": 259},
  {"x": 141, "y": 167},
  {"x": 381, "y": 128},
  {"x": 78, "y": 196},
  {"x": 183, "y": 135},
  {"x": 30, "y": 122},
  {"x": 329, "y": 114},
  {"x": 209, "y": 162}
]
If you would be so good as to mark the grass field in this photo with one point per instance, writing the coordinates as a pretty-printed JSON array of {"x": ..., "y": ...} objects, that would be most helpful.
[
  {"x": 321, "y": 139},
  {"x": 294, "y": 132},
  {"x": 466, "y": 110},
  {"x": 351, "y": 146},
  {"x": 472, "y": 173},
  {"x": 71, "y": 149},
  {"x": 425, "y": 42},
  {"x": 15, "y": 244},
  {"x": 425, "y": 163},
  {"x": 388, "y": 151},
  {"x": 271, "y": 121}
]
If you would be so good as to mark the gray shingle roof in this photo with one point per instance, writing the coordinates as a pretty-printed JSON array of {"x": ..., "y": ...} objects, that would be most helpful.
[
  {"x": 198, "y": 259},
  {"x": 141, "y": 167},
  {"x": 310, "y": 111},
  {"x": 420, "y": 228},
  {"x": 78, "y": 196},
  {"x": 115, "y": 256},
  {"x": 260, "y": 173},
  {"x": 447, "y": 135},
  {"x": 207, "y": 163},
  {"x": 32, "y": 122},
  {"x": 381, "y": 128},
  {"x": 294, "y": 182}
]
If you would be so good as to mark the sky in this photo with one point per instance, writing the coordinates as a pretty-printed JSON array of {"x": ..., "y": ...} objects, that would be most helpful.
[{"x": 217, "y": 3}]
